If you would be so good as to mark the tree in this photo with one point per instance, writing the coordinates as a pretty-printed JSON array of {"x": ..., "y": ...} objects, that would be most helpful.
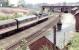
[
  {"x": 21, "y": 3},
  {"x": 5, "y": 3}
]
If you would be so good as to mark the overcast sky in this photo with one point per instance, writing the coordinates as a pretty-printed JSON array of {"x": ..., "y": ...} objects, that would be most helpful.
[{"x": 43, "y": 1}]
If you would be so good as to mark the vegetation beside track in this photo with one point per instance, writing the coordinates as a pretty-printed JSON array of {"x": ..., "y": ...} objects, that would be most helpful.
[
  {"x": 74, "y": 43},
  {"x": 3, "y": 17}
]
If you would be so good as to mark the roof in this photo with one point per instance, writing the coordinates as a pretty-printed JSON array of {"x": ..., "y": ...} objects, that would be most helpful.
[
  {"x": 75, "y": 8},
  {"x": 77, "y": 12}
]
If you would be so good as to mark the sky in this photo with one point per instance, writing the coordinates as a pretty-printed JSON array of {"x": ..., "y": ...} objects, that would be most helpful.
[{"x": 43, "y": 1}]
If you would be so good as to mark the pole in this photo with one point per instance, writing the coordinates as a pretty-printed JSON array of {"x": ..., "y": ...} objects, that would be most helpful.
[{"x": 54, "y": 47}]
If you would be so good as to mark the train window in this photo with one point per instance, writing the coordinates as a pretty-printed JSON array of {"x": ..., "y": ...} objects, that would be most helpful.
[
  {"x": 25, "y": 21},
  {"x": 28, "y": 20},
  {"x": 1, "y": 27},
  {"x": 33, "y": 18},
  {"x": 12, "y": 24},
  {"x": 6, "y": 25}
]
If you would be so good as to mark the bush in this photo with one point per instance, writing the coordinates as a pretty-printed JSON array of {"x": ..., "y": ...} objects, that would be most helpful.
[
  {"x": 75, "y": 43},
  {"x": 16, "y": 15}
]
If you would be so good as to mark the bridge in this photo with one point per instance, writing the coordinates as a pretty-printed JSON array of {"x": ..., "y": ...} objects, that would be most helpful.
[{"x": 61, "y": 8}]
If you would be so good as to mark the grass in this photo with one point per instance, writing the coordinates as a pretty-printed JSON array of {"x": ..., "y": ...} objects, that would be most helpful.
[
  {"x": 23, "y": 45},
  {"x": 75, "y": 43}
]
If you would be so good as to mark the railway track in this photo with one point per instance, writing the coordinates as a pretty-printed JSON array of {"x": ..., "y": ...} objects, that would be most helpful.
[
  {"x": 32, "y": 34},
  {"x": 14, "y": 31}
]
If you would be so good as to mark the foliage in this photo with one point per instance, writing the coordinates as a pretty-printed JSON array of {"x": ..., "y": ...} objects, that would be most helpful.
[
  {"x": 4, "y": 3},
  {"x": 21, "y": 3},
  {"x": 23, "y": 45},
  {"x": 75, "y": 43},
  {"x": 16, "y": 15},
  {"x": 45, "y": 47},
  {"x": 2, "y": 49}
]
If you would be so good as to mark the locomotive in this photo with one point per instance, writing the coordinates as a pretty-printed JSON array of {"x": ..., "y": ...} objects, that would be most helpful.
[{"x": 9, "y": 25}]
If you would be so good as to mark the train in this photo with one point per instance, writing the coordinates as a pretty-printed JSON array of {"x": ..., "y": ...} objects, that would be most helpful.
[{"x": 10, "y": 26}]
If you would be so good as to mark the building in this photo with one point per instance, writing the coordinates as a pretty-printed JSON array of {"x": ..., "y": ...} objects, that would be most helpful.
[{"x": 4, "y": 3}]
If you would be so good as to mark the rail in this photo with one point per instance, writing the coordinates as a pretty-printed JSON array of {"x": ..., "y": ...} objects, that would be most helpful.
[{"x": 31, "y": 34}]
